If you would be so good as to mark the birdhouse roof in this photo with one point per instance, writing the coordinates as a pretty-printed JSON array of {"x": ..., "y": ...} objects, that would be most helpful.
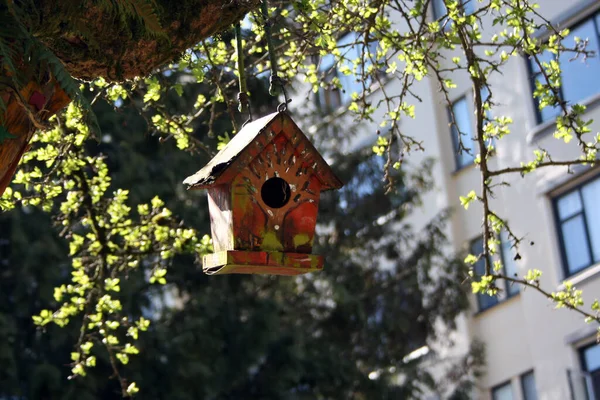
[{"x": 249, "y": 142}]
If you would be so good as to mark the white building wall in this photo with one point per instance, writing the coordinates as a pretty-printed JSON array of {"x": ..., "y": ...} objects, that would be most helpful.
[{"x": 524, "y": 332}]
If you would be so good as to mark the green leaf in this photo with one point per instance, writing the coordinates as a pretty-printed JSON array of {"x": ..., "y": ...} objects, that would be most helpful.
[
  {"x": 132, "y": 389},
  {"x": 466, "y": 200}
]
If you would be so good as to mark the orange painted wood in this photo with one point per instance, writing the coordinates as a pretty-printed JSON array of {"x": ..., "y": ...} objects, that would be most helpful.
[
  {"x": 43, "y": 102},
  {"x": 280, "y": 229}
]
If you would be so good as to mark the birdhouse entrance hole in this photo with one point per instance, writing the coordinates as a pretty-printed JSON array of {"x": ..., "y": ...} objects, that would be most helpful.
[{"x": 275, "y": 192}]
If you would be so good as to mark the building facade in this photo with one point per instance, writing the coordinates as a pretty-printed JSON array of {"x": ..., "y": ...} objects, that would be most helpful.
[{"x": 533, "y": 351}]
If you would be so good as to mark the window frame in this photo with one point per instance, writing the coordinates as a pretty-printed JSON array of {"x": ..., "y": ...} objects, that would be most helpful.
[
  {"x": 508, "y": 295},
  {"x": 507, "y": 284},
  {"x": 583, "y": 366},
  {"x": 436, "y": 16},
  {"x": 594, "y": 16},
  {"x": 435, "y": 13},
  {"x": 558, "y": 226},
  {"x": 332, "y": 72},
  {"x": 501, "y": 385},
  {"x": 521, "y": 383},
  {"x": 581, "y": 350},
  {"x": 472, "y": 125},
  {"x": 454, "y": 138}
]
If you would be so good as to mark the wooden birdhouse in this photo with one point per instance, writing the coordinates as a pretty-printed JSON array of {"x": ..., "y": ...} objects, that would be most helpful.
[{"x": 263, "y": 196}]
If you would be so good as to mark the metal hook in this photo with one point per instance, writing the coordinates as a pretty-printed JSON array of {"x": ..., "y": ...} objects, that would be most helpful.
[
  {"x": 276, "y": 80},
  {"x": 282, "y": 107}
]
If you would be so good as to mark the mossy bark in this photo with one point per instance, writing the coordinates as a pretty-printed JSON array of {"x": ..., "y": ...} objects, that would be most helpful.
[
  {"x": 92, "y": 42},
  {"x": 117, "y": 49}
]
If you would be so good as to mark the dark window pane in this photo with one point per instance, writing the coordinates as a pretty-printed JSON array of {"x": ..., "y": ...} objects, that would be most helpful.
[
  {"x": 543, "y": 58},
  {"x": 510, "y": 265},
  {"x": 569, "y": 205},
  {"x": 469, "y": 6},
  {"x": 528, "y": 385},
  {"x": 462, "y": 117},
  {"x": 327, "y": 62},
  {"x": 595, "y": 389},
  {"x": 439, "y": 8},
  {"x": 579, "y": 77},
  {"x": 483, "y": 300},
  {"x": 485, "y": 93},
  {"x": 591, "y": 199},
  {"x": 351, "y": 51},
  {"x": 328, "y": 99},
  {"x": 575, "y": 241},
  {"x": 503, "y": 392},
  {"x": 476, "y": 249},
  {"x": 591, "y": 363},
  {"x": 591, "y": 358},
  {"x": 548, "y": 112}
]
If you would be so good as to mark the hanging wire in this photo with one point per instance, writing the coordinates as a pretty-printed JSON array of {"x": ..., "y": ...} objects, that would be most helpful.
[
  {"x": 275, "y": 79},
  {"x": 244, "y": 101}
]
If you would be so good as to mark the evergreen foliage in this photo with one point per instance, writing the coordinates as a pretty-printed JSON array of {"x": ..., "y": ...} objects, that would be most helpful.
[
  {"x": 231, "y": 337},
  {"x": 122, "y": 260}
]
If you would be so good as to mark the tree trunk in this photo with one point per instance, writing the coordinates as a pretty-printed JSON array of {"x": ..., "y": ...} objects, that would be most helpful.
[
  {"x": 34, "y": 102},
  {"x": 93, "y": 42}
]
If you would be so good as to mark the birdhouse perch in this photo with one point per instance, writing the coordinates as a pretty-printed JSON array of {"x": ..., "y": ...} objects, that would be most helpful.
[{"x": 263, "y": 196}]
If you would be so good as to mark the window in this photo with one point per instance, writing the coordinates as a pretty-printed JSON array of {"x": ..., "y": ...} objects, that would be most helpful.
[
  {"x": 439, "y": 9},
  {"x": 509, "y": 263},
  {"x": 462, "y": 117},
  {"x": 365, "y": 182},
  {"x": 590, "y": 360},
  {"x": 331, "y": 98},
  {"x": 578, "y": 223},
  {"x": 485, "y": 301},
  {"x": 503, "y": 392},
  {"x": 528, "y": 386},
  {"x": 579, "y": 77}
]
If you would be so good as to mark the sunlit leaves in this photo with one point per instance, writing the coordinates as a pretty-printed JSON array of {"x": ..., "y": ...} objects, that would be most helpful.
[
  {"x": 106, "y": 235},
  {"x": 132, "y": 389},
  {"x": 381, "y": 146},
  {"x": 569, "y": 296},
  {"x": 465, "y": 201}
]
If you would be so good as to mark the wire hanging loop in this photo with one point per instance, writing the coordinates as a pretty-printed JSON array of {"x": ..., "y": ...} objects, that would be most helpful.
[
  {"x": 275, "y": 80},
  {"x": 243, "y": 100}
]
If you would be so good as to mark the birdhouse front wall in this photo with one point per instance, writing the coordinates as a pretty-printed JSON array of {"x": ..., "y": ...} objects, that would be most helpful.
[{"x": 275, "y": 198}]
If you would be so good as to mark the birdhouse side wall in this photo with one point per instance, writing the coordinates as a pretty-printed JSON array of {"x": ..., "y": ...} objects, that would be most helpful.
[
  {"x": 257, "y": 226},
  {"x": 221, "y": 217}
]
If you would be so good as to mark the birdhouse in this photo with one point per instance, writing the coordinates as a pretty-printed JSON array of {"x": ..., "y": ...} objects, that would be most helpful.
[{"x": 263, "y": 197}]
